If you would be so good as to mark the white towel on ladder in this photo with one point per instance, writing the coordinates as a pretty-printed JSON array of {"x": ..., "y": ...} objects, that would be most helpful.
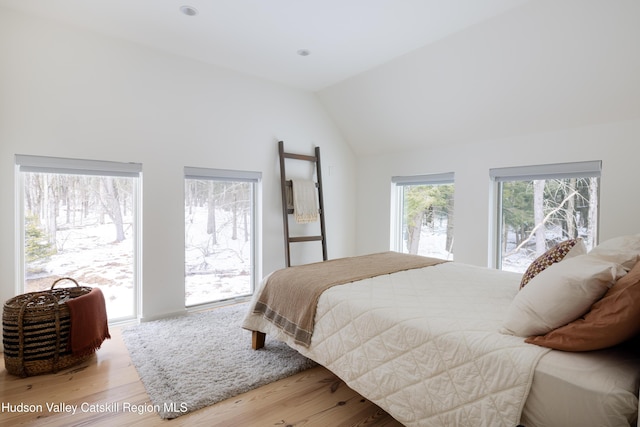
[{"x": 305, "y": 201}]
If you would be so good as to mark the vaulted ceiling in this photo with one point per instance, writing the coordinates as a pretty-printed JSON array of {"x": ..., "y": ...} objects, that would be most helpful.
[
  {"x": 544, "y": 66},
  {"x": 262, "y": 38},
  {"x": 404, "y": 74}
]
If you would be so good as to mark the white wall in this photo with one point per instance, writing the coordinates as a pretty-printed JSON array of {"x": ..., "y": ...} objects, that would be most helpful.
[
  {"x": 545, "y": 65},
  {"x": 69, "y": 93},
  {"x": 616, "y": 144}
]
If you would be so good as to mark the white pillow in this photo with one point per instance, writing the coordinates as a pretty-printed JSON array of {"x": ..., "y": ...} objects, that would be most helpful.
[
  {"x": 578, "y": 249},
  {"x": 622, "y": 250},
  {"x": 560, "y": 294}
]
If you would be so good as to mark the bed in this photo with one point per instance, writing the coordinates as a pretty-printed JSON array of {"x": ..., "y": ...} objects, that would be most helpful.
[{"x": 442, "y": 343}]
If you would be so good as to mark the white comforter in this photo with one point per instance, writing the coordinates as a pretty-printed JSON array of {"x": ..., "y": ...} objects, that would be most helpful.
[{"x": 424, "y": 345}]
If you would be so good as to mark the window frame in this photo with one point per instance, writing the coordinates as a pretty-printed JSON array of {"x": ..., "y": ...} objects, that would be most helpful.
[
  {"x": 397, "y": 185},
  {"x": 581, "y": 169},
  {"x": 70, "y": 166},
  {"x": 255, "y": 178}
]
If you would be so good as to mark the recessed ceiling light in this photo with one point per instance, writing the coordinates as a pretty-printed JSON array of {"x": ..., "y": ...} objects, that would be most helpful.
[
  {"x": 189, "y": 10},
  {"x": 304, "y": 52}
]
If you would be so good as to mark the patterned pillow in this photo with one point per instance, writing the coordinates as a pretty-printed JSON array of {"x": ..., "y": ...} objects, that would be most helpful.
[{"x": 553, "y": 255}]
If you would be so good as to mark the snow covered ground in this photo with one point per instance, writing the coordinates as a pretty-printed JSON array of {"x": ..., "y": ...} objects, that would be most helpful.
[
  {"x": 433, "y": 241},
  {"x": 90, "y": 255},
  {"x": 215, "y": 272}
]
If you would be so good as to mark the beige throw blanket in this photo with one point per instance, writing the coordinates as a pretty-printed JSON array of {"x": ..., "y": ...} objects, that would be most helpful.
[
  {"x": 289, "y": 296},
  {"x": 305, "y": 201}
]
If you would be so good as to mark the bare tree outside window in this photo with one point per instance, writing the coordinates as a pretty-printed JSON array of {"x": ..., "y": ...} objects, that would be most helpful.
[
  {"x": 427, "y": 220},
  {"x": 81, "y": 226},
  {"x": 538, "y": 214},
  {"x": 218, "y": 240}
]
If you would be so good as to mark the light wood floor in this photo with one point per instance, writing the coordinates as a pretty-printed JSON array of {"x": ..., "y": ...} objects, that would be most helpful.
[{"x": 315, "y": 397}]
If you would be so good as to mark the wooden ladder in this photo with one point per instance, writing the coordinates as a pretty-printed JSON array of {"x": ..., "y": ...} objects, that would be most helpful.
[{"x": 286, "y": 210}]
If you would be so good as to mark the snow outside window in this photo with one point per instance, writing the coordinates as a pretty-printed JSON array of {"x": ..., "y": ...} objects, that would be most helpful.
[
  {"x": 220, "y": 221},
  {"x": 540, "y": 206},
  {"x": 80, "y": 219},
  {"x": 422, "y": 220}
]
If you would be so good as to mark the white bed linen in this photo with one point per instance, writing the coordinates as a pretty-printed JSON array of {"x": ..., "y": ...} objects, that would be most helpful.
[
  {"x": 567, "y": 385},
  {"x": 564, "y": 384},
  {"x": 379, "y": 336}
]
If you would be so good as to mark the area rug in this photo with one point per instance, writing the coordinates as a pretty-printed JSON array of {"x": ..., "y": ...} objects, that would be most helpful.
[{"x": 196, "y": 360}]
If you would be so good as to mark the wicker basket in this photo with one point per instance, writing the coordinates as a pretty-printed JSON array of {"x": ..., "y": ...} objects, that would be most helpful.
[{"x": 35, "y": 331}]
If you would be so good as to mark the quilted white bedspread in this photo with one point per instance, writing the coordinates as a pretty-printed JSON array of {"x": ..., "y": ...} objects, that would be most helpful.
[{"x": 424, "y": 345}]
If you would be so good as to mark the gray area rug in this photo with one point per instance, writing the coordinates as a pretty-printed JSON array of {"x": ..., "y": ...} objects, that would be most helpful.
[{"x": 193, "y": 361}]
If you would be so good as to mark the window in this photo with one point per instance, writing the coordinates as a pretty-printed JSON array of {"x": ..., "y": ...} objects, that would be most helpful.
[
  {"x": 423, "y": 216},
  {"x": 540, "y": 206},
  {"x": 80, "y": 219},
  {"x": 220, "y": 221}
]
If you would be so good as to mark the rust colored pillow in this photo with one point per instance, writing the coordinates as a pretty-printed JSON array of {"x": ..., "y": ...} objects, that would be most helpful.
[
  {"x": 612, "y": 320},
  {"x": 553, "y": 255}
]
